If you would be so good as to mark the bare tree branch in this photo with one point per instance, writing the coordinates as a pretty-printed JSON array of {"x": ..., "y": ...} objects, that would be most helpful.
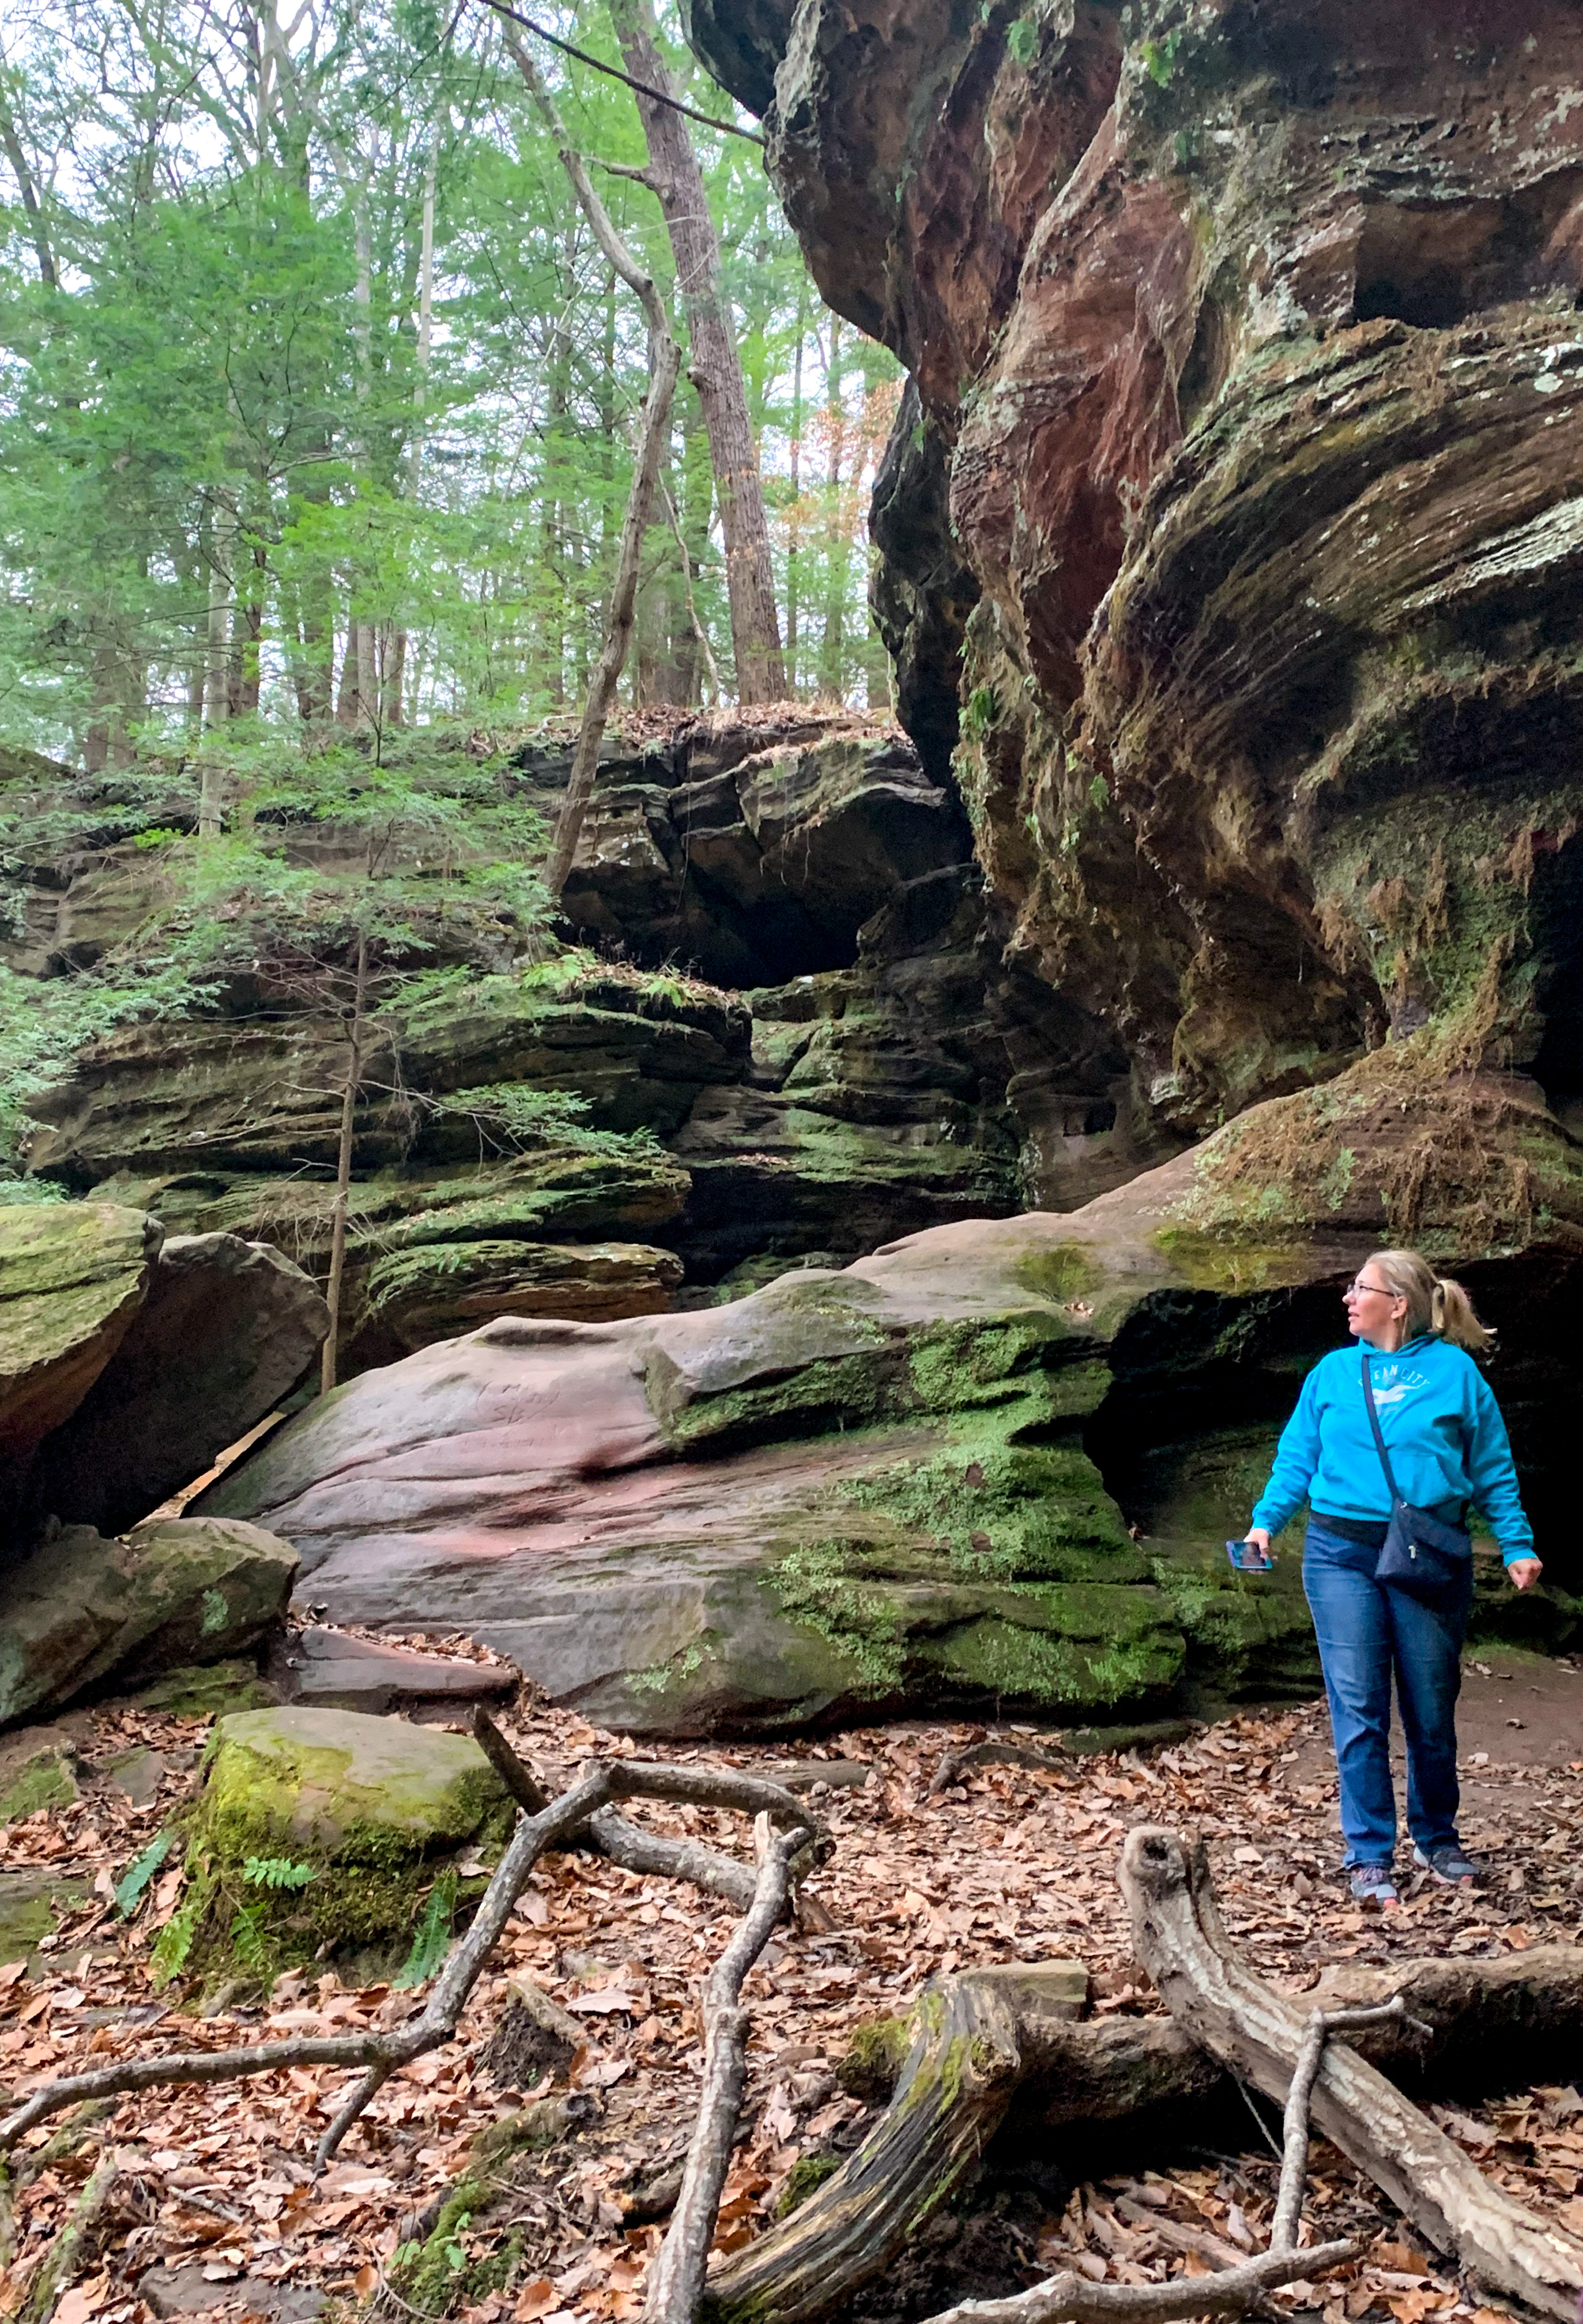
[
  {"x": 1071, "y": 2299},
  {"x": 636, "y": 1850},
  {"x": 1220, "y": 2004},
  {"x": 676, "y": 2280}
]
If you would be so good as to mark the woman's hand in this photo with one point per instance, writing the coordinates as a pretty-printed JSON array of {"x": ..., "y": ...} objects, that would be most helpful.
[
  {"x": 1522, "y": 1572},
  {"x": 1258, "y": 1535}
]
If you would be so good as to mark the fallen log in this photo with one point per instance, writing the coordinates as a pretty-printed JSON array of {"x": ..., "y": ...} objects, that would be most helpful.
[
  {"x": 1221, "y": 2005},
  {"x": 1468, "y": 2028},
  {"x": 971, "y": 2036}
]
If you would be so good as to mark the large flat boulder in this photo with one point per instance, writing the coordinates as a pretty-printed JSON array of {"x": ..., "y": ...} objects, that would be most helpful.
[
  {"x": 72, "y": 1278},
  {"x": 227, "y": 1328},
  {"x": 80, "y": 1609},
  {"x": 967, "y": 1472},
  {"x": 851, "y": 1491}
]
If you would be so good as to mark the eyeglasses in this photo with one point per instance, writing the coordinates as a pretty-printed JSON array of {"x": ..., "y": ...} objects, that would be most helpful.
[{"x": 1379, "y": 1289}]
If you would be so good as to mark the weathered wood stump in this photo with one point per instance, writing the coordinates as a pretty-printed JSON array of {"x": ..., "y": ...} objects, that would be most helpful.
[{"x": 971, "y": 2039}]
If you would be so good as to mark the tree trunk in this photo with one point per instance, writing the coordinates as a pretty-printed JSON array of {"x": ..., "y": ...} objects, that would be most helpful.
[
  {"x": 221, "y": 572},
  {"x": 832, "y": 652},
  {"x": 250, "y": 633},
  {"x": 338, "y": 1229},
  {"x": 1183, "y": 1943},
  {"x": 793, "y": 515},
  {"x": 715, "y": 368},
  {"x": 653, "y": 432}
]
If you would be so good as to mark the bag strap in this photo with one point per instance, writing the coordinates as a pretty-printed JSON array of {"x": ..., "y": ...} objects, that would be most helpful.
[{"x": 1374, "y": 1422}]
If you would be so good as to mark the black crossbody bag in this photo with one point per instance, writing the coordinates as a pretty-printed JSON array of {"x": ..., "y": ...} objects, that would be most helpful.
[{"x": 1422, "y": 1554}]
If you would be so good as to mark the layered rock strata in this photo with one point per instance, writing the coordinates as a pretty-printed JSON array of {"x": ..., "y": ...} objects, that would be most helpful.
[
  {"x": 880, "y": 1071},
  {"x": 1246, "y": 356}
]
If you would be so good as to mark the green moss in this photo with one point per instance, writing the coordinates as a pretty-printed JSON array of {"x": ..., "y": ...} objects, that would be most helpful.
[
  {"x": 806, "y": 2176},
  {"x": 1064, "y": 1272},
  {"x": 1097, "y": 1647},
  {"x": 430, "y": 2277},
  {"x": 822, "y": 1585},
  {"x": 42, "y": 1780},
  {"x": 212, "y": 1690},
  {"x": 876, "y": 2051},
  {"x": 1248, "y": 1636},
  {"x": 828, "y": 1393},
  {"x": 669, "y": 1677},
  {"x": 374, "y": 1807}
]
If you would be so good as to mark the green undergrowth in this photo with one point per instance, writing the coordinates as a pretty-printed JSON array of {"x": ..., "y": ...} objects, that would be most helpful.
[{"x": 463, "y": 2259}]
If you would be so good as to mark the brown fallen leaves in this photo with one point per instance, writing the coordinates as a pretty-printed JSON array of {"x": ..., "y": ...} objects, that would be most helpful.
[{"x": 1010, "y": 1862}]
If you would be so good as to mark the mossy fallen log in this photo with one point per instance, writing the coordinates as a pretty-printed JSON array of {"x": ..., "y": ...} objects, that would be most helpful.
[{"x": 984, "y": 2053}]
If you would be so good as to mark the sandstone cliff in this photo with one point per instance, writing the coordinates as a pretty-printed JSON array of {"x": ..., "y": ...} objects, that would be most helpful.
[{"x": 1247, "y": 365}]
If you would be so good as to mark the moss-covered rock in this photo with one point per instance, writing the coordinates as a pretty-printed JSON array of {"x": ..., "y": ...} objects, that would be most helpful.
[
  {"x": 207, "y": 1690},
  {"x": 36, "y": 1771},
  {"x": 72, "y": 1276},
  {"x": 432, "y": 1290},
  {"x": 33, "y": 1904},
  {"x": 80, "y": 1609},
  {"x": 326, "y": 1831}
]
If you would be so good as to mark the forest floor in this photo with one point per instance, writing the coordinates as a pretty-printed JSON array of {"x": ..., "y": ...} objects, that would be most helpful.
[{"x": 215, "y": 2206}]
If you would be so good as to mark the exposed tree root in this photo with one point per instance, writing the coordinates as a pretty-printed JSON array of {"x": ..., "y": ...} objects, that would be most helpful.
[
  {"x": 1214, "y": 1998},
  {"x": 65, "y": 2256}
]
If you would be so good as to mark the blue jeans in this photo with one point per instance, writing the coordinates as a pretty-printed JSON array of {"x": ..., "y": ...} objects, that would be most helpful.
[{"x": 1365, "y": 1632}]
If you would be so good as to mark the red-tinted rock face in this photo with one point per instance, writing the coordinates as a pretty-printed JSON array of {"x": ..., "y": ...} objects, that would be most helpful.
[{"x": 1248, "y": 332}]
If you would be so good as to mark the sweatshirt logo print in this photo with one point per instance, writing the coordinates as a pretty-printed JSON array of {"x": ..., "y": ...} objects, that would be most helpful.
[{"x": 1403, "y": 1385}]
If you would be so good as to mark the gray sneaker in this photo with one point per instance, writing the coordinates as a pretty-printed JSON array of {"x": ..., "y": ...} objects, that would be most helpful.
[
  {"x": 1372, "y": 1884},
  {"x": 1450, "y": 1865}
]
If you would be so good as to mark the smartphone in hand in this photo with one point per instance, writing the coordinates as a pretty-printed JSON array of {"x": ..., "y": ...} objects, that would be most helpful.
[{"x": 1247, "y": 1557}]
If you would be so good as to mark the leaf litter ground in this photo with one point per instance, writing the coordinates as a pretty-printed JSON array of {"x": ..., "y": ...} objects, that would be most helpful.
[{"x": 215, "y": 2206}]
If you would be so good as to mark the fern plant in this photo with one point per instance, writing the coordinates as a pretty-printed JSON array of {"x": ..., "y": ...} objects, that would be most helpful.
[
  {"x": 130, "y": 1889},
  {"x": 248, "y": 1941},
  {"x": 276, "y": 1872},
  {"x": 432, "y": 1937}
]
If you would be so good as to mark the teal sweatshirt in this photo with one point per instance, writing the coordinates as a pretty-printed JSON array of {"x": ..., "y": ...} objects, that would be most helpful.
[{"x": 1442, "y": 1429}]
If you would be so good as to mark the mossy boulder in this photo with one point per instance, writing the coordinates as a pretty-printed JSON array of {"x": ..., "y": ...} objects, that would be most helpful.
[
  {"x": 228, "y": 1327},
  {"x": 36, "y": 1771},
  {"x": 325, "y": 1832},
  {"x": 72, "y": 1276},
  {"x": 34, "y": 1901},
  {"x": 78, "y": 1610}
]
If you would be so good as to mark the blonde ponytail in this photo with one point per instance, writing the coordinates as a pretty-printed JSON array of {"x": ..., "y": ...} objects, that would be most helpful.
[
  {"x": 1451, "y": 1317},
  {"x": 1434, "y": 1302}
]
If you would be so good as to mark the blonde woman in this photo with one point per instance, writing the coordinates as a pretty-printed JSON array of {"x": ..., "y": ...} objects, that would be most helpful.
[{"x": 1443, "y": 1442}]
